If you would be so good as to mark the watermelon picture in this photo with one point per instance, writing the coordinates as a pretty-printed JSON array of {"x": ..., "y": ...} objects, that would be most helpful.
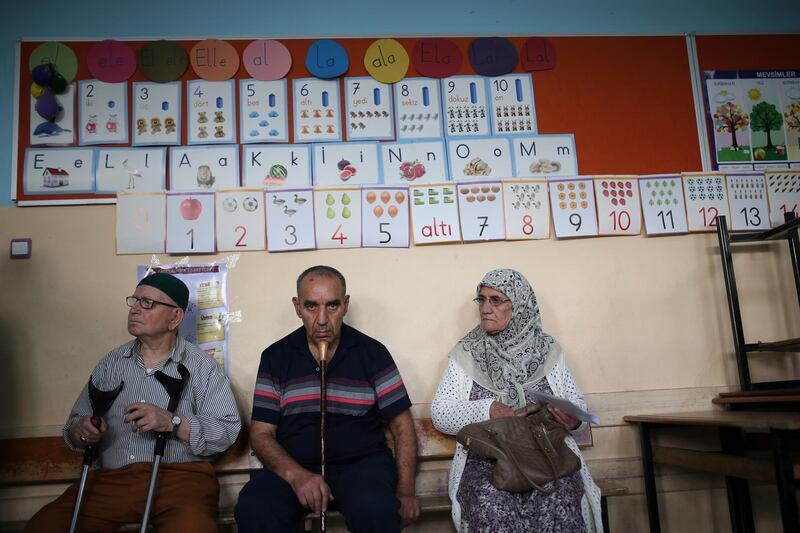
[{"x": 277, "y": 175}]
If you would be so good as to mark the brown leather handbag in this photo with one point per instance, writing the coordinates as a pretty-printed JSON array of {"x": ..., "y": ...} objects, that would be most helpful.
[{"x": 529, "y": 451}]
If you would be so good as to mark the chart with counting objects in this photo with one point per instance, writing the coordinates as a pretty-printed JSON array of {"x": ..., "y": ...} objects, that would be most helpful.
[
  {"x": 513, "y": 111},
  {"x": 385, "y": 217},
  {"x": 527, "y": 210},
  {"x": 264, "y": 116},
  {"x": 368, "y": 109},
  {"x": 783, "y": 188},
  {"x": 434, "y": 213},
  {"x": 747, "y": 194},
  {"x": 466, "y": 112},
  {"x": 480, "y": 211},
  {"x": 141, "y": 223},
  {"x": 618, "y": 211},
  {"x": 240, "y": 220},
  {"x": 663, "y": 205},
  {"x": 156, "y": 113},
  {"x": 190, "y": 223},
  {"x": 418, "y": 108},
  {"x": 705, "y": 200},
  {"x": 337, "y": 217},
  {"x": 573, "y": 208},
  {"x": 317, "y": 110},
  {"x": 290, "y": 220},
  {"x": 211, "y": 107},
  {"x": 102, "y": 112}
]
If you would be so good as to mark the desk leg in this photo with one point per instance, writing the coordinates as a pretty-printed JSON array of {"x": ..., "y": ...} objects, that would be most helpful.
[
  {"x": 649, "y": 478},
  {"x": 739, "y": 504},
  {"x": 784, "y": 477}
]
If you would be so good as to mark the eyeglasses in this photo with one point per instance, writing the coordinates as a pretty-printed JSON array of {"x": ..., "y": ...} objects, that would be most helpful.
[
  {"x": 145, "y": 303},
  {"x": 494, "y": 301}
]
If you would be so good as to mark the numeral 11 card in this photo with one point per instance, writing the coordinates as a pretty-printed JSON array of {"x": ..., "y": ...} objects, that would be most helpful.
[
  {"x": 663, "y": 205},
  {"x": 574, "y": 212}
]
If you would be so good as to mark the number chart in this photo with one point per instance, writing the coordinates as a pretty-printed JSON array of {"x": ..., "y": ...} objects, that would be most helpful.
[
  {"x": 368, "y": 109},
  {"x": 783, "y": 189},
  {"x": 385, "y": 217},
  {"x": 480, "y": 211},
  {"x": 264, "y": 111},
  {"x": 337, "y": 217},
  {"x": 317, "y": 111},
  {"x": 512, "y": 110},
  {"x": 156, "y": 113},
  {"x": 527, "y": 209},
  {"x": 290, "y": 220},
  {"x": 663, "y": 205},
  {"x": 240, "y": 220},
  {"x": 573, "y": 206},
  {"x": 618, "y": 210},
  {"x": 190, "y": 223},
  {"x": 102, "y": 112},
  {"x": 418, "y": 108},
  {"x": 466, "y": 112},
  {"x": 747, "y": 194},
  {"x": 211, "y": 106},
  {"x": 434, "y": 213},
  {"x": 705, "y": 200}
]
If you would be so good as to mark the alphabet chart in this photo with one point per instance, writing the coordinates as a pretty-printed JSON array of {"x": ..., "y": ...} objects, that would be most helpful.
[
  {"x": 337, "y": 217},
  {"x": 527, "y": 209},
  {"x": 783, "y": 189},
  {"x": 212, "y": 167},
  {"x": 385, "y": 217},
  {"x": 290, "y": 220},
  {"x": 747, "y": 194},
  {"x": 102, "y": 112},
  {"x": 156, "y": 113},
  {"x": 317, "y": 112},
  {"x": 61, "y": 130},
  {"x": 480, "y": 158},
  {"x": 573, "y": 206},
  {"x": 618, "y": 211},
  {"x": 418, "y": 108},
  {"x": 58, "y": 170},
  {"x": 512, "y": 111},
  {"x": 663, "y": 204},
  {"x": 141, "y": 223},
  {"x": 276, "y": 166},
  {"x": 414, "y": 162},
  {"x": 264, "y": 111},
  {"x": 705, "y": 200},
  {"x": 466, "y": 110},
  {"x": 536, "y": 156},
  {"x": 480, "y": 210},
  {"x": 240, "y": 220},
  {"x": 346, "y": 164},
  {"x": 368, "y": 109},
  {"x": 190, "y": 223},
  {"x": 211, "y": 107},
  {"x": 434, "y": 213},
  {"x": 139, "y": 169}
]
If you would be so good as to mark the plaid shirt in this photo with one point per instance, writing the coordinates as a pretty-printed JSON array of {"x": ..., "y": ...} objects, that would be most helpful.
[{"x": 207, "y": 406}]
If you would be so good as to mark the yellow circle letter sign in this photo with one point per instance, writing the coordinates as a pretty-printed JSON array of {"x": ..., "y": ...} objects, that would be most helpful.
[{"x": 386, "y": 60}]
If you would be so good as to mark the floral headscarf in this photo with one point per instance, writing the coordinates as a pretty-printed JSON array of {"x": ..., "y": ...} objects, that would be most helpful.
[{"x": 521, "y": 354}]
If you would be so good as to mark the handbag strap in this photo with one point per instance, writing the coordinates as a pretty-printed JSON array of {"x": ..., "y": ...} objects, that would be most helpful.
[{"x": 511, "y": 456}]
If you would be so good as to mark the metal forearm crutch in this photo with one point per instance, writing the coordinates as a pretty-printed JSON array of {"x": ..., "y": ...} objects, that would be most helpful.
[
  {"x": 322, "y": 348},
  {"x": 174, "y": 387},
  {"x": 100, "y": 401}
]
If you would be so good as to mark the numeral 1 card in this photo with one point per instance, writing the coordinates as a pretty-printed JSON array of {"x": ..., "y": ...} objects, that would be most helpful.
[
  {"x": 240, "y": 220},
  {"x": 618, "y": 210},
  {"x": 385, "y": 217},
  {"x": 705, "y": 200},
  {"x": 747, "y": 194},
  {"x": 290, "y": 220},
  {"x": 337, "y": 217},
  {"x": 663, "y": 205},
  {"x": 190, "y": 223},
  {"x": 573, "y": 205},
  {"x": 480, "y": 211},
  {"x": 527, "y": 209}
]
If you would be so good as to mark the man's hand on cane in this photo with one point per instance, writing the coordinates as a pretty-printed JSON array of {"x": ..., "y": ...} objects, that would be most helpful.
[{"x": 311, "y": 490}]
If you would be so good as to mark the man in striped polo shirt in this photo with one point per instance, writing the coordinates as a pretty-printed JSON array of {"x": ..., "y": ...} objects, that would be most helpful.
[
  {"x": 373, "y": 491},
  {"x": 206, "y": 422}
]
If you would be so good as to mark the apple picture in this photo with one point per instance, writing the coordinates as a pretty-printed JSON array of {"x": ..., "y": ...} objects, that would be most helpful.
[{"x": 191, "y": 208}]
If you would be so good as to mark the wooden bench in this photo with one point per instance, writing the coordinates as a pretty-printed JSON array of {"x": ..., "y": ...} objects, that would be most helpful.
[{"x": 42, "y": 460}]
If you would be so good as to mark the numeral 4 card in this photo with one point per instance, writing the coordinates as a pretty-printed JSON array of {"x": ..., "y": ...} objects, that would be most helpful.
[
  {"x": 663, "y": 205},
  {"x": 574, "y": 213},
  {"x": 705, "y": 200},
  {"x": 747, "y": 194},
  {"x": 527, "y": 209},
  {"x": 618, "y": 210},
  {"x": 385, "y": 217},
  {"x": 337, "y": 217}
]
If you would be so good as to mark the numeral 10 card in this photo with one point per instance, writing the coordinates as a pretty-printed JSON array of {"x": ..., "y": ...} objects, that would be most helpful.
[{"x": 618, "y": 209}]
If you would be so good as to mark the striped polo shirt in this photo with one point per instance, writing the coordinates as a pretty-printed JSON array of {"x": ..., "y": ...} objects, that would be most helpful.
[{"x": 364, "y": 390}]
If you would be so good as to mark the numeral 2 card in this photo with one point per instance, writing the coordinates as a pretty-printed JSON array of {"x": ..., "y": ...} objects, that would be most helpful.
[
  {"x": 747, "y": 194},
  {"x": 574, "y": 212},
  {"x": 705, "y": 200},
  {"x": 480, "y": 211},
  {"x": 527, "y": 209},
  {"x": 618, "y": 209},
  {"x": 190, "y": 223},
  {"x": 663, "y": 205},
  {"x": 385, "y": 217},
  {"x": 240, "y": 220},
  {"x": 141, "y": 223},
  {"x": 290, "y": 220},
  {"x": 103, "y": 112},
  {"x": 338, "y": 217}
]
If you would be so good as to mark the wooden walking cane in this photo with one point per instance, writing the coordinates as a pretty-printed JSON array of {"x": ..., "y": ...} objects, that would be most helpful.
[{"x": 322, "y": 348}]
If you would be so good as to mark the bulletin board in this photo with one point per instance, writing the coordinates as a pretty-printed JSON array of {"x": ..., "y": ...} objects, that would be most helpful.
[{"x": 627, "y": 100}]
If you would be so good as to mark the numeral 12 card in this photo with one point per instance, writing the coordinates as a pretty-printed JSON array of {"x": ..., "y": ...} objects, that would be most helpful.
[{"x": 705, "y": 200}]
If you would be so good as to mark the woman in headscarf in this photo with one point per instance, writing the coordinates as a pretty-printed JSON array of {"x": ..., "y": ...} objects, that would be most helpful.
[{"x": 491, "y": 373}]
